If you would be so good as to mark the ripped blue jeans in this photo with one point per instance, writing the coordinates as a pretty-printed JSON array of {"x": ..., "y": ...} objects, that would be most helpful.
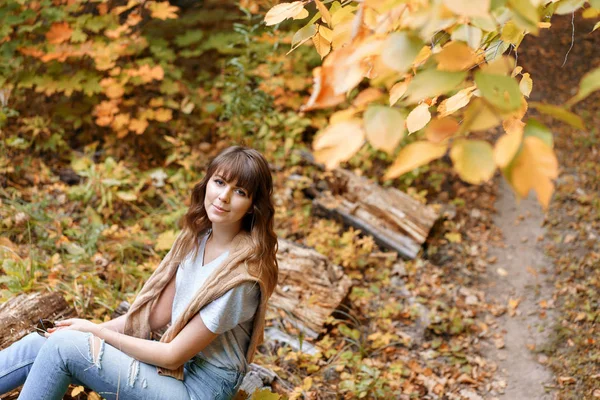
[{"x": 48, "y": 366}]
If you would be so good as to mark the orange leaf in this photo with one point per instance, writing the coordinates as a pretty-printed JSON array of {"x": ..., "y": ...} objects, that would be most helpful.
[
  {"x": 414, "y": 155},
  {"x": 338, "y": 142},
  {"x": 455, "y": 56},
  {"x": 138, "y": 125},
  {"x": 162, "y": 10},
  {"x": 534, "y": 168},
  {"x": 59, "y": 32},
  {"x": 441, "y": 129},
  {"x": 163, "y": 115}
]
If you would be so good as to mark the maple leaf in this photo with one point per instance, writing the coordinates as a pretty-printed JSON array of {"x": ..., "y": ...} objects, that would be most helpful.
[
  {"x": 59, "y": 32},
  {"x": 162, "y": 10}
]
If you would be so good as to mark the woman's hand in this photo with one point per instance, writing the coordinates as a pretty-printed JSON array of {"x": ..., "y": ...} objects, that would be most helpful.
[{"x": 77, "y": 324}]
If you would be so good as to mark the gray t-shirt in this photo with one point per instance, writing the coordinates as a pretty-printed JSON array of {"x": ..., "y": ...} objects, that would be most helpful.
[{"x": 231, "y": 316}]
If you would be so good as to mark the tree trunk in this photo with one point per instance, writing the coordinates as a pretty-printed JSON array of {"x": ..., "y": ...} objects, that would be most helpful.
[
  {"x": 20, "y": 315},
  {"x": 394, "y": 219}
]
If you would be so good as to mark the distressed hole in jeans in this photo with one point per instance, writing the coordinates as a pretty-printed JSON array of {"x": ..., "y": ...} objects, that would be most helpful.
[
  {"x": 134, "y": 370},
  {"x": 97, "y": 350}
]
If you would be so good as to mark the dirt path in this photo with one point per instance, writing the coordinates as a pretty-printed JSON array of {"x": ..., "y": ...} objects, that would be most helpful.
[{"x": 519, "y": 281}]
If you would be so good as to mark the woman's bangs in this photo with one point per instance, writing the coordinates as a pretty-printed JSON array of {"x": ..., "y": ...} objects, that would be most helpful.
[{"x": 240, "y": 169}]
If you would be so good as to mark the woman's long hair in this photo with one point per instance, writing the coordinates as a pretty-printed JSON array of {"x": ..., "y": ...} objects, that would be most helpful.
[{"x": 249, "y": 170}]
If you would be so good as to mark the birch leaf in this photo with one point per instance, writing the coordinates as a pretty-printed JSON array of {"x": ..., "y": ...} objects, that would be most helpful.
[
  {"x": 338, "y": 142},
  {"x": 473, "y": 160},
  {"x": 384, "y": 127},
  {"x": 414, "y": 155},
  {"x": 418, "y": 118},
  {"x": 283, "y": 11}
]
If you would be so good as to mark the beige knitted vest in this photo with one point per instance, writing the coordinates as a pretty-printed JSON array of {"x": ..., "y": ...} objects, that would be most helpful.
[{"x": 232, "y": 272}]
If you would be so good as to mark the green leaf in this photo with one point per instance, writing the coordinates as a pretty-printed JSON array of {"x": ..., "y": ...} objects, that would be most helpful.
[
  {"x": 589, "y": 84},
  {"x": 432, "y": 82},
  {"x": 539, "y": 130},
  {"x": 400, "y": 51},
  {"x": 188, "y": 38},
  {"x": 384, "y": 127},
  {"x": 303, "y": 34},
  {"x": 526, "y": 15},
  {"x": 501, "y": 91},
  {"x": 473, "y": 160},
  {"x": 560, "y": 114}
]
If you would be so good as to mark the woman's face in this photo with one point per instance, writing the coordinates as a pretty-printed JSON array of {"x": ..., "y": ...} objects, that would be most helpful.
[{"x": 225, "y": 203}]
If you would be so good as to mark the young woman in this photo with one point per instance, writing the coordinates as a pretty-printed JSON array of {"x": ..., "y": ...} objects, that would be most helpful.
[{"x": 212, "y": 287}]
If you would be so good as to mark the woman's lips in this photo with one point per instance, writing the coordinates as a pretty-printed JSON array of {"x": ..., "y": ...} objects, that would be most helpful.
[{"x": 219, "y": 209}]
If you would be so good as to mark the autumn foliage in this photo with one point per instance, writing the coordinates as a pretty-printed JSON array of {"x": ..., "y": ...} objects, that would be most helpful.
[{"x": 441, "y": 70}]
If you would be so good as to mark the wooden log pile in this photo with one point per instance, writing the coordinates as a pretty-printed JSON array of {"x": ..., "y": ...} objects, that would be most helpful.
[{"x": 395, "y": 220}]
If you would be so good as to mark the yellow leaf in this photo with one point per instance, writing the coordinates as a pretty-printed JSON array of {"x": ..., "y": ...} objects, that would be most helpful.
[
  {"x": 526, "y": 84},
  {"x": 165, "y": 240},
  {"x": 138, "y": 125},
  {"x": 534, "y": 168},
  {"x": 77, "y": 390},
  {"x": 162, "y": 10},
  {"x": 456, "y": 102},
  {"x": 441, "y": 129},
  {"x": 322, "y": 45},
  {"x": 398, "y": 90},
  {"x": 163, "y": 115},
  {"x": 325, "y": 15},
  {"x": 283, "y": 11},
  {"x": 338, "y": 142},
  {"x": 302, "y": 14},
  {"x": 473, "y": 160},
  {"x": 342, "y": 115},
  {"x": 453, "y": 237},
  {"x": 455, "y": 56},
  {"x": 264, "y": 394},
  {"x": 127, "y": 196},
  {"x": 418, "y": 118},
  {"x": 469, "y": 8},
  {"x": 94, "y": 396},
  {"x": 59, "y": 32},
  {"x": 480, "y": 117},
  {"x": 326, "y": 33},
  {"x": 423, "y": 56},
  {"x": 414, "y": 155},
  {"x": 384, "y": 127},
  {"x": 505, "y": 149}
]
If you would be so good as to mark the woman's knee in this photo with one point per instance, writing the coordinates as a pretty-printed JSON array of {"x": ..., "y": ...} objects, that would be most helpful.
[{"x": 69, "y": 342}]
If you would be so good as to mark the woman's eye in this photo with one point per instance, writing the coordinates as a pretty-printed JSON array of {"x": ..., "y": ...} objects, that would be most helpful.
[
  {"x": 219, "y": 181},
  {"x": 241, "y": 192}
]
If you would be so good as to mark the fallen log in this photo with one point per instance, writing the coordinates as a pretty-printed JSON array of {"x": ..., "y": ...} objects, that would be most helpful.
[
  {"x": 20, "y": 315},
  {"x": 309, "y": 288},
  {"x": 395, "y": 220}
]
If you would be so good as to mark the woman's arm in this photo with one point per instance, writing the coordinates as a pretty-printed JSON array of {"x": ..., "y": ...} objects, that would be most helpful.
[{"x": 192, "y": 339}]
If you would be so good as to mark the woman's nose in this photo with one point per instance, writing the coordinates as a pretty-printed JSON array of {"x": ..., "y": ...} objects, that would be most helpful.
[{"x": 224, "y": 195}]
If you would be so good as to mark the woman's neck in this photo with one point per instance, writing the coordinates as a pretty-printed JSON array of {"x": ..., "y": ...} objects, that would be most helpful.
[{"x": 222, "y": 236}]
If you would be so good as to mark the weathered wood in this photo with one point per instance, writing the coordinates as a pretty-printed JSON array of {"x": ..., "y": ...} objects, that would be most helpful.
[
  {"x": 19, "y": 315},
  {"x": 394, "y": 219},
  {"x": 310, "y": 288}
]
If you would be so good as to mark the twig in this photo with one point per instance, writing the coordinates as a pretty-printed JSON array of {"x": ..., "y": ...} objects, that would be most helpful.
[{"x": 572, "y": 38}]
